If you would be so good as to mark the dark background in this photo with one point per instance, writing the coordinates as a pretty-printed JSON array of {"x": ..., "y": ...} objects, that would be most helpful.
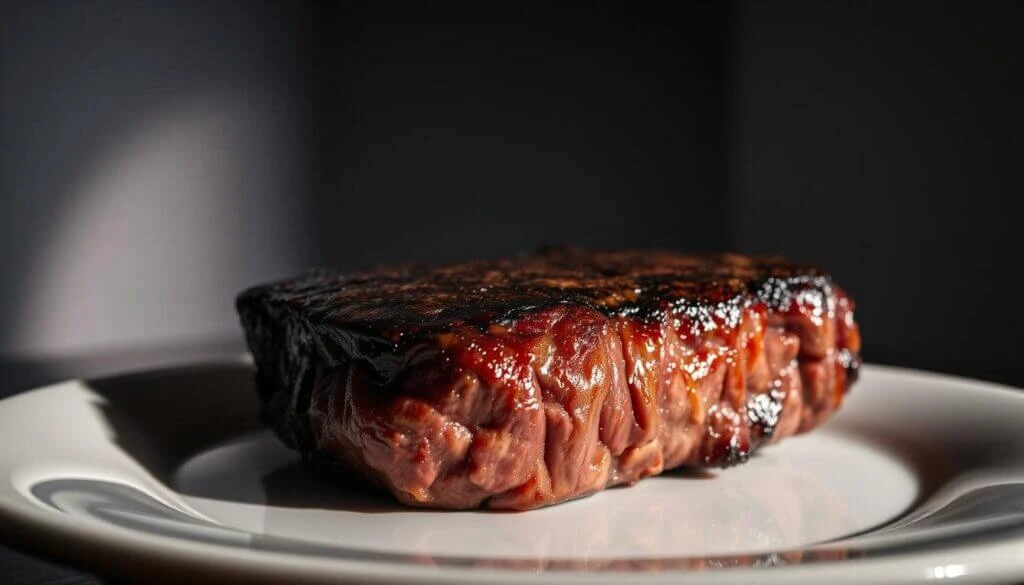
[{"x": 157, "y": 158}]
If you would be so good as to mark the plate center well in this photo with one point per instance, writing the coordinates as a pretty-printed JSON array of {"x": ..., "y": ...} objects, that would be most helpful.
[{"x": 803, "y": 491}]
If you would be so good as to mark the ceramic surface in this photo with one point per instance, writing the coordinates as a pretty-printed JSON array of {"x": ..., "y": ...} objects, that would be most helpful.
[{"x": 167, "y": 475}]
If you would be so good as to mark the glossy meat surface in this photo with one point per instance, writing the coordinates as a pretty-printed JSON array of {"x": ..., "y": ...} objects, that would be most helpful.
[{"x": 525, "y": 382}]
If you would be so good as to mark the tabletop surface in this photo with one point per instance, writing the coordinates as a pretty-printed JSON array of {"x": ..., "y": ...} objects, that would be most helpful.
[{"x": 19, "y": 375}]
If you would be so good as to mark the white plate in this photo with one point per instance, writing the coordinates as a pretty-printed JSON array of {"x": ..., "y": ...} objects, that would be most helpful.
[{"x": 168, "y": 476}]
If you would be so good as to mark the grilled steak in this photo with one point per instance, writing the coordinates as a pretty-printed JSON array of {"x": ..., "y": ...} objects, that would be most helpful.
[{"x": 525, "y": 382}]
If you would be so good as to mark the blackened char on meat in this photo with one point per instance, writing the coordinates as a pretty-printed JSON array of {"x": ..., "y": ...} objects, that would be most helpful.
[{"x": 524, "y": 382}]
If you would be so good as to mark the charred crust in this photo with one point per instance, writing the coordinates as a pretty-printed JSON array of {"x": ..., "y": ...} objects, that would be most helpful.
[
  {"x": 727, "y": 452},
  {"x": 374, "y": 314},
  {"x": 763, "y": 414},
  {"x": 851, "y": 363}
]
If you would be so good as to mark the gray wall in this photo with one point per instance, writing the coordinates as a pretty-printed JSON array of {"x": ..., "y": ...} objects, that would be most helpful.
[
  {"x": 155, "y": 158},
  {"x": 883, "y": 140},
  {"x": 160, "y": 156},
  {"x": 149, "y": 153},
  {"x": 446, "y": 135}
]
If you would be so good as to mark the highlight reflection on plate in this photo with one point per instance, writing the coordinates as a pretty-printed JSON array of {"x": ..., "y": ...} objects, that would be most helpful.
[{"x": 171, "y": 467}]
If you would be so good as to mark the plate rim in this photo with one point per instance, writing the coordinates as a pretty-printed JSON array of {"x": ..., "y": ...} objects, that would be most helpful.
[{"x": 150, "y": 556}]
